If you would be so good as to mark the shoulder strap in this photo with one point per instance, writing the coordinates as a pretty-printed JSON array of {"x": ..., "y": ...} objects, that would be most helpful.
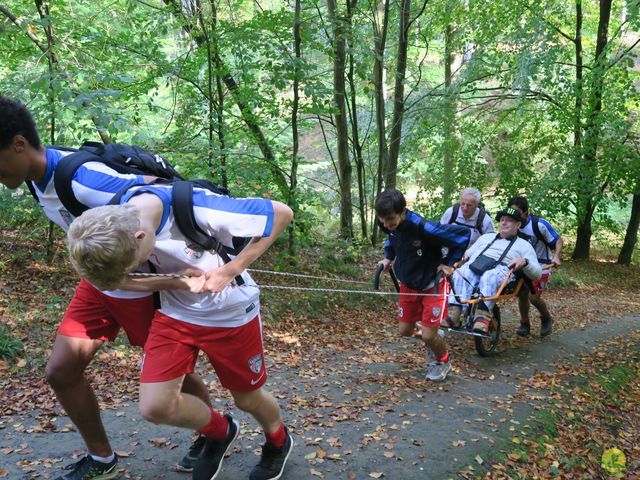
[
  {"x": 182, "y": 200},
  {"x": 480, "y": 221},
  {"x": 32, "y": 190},
  {"x": 537, "y": 232},
  {"x": 66, "y": 169},
  {"x": 504, "y": 254},
  {"x": 490, "y": 243},
  {"x": 454, "y": 213}
]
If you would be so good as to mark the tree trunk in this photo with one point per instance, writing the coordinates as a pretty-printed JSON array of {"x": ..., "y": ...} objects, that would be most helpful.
[
  {"x": 357, "y": 146},
  {"x": 450, "y": 141},
  {"x": 342, "y": 131},
  {"x": 293, "y": 186},
  {"x": 631, "y": 237},
  {"x": 220, "y": 128},
  {"x": 210, "y": 74},
  {"x": 391, "y": 173},
  {"x": 380, "y": 23},
  {"x": 588, "y": 196}
]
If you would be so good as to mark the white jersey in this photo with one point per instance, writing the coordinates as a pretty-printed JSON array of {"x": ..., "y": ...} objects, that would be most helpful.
[
  {"x": 222, "y": 217},
  {"x": 487, "y": 223},
  {"x": 93, "y": 184}
]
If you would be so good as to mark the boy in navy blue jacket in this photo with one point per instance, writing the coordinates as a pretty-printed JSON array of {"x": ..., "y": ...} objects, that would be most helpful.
[{"x": 414, "y": 247}]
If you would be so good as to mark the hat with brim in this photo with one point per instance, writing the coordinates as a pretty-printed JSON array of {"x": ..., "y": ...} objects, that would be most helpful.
[{"x": 510, "y": 212}]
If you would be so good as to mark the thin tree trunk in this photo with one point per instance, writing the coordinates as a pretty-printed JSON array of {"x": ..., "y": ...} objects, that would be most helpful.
[
  {"x": 210, "y": 74},
  {"x": 342, "y": 131},
  {"x": 224, "y": 174},
  {"x": 357, "y": 146},
  {"x": 587, "y": 195},
  {"x": 631, "y": 237},
  {"x": 293, "y": 187},
  {"x": 450, "y": 121},
  {"x": 391, "y": 173},
  {"x": 380, "y": 24}
]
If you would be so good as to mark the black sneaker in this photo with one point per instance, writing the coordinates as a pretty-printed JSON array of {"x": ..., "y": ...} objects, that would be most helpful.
[
  {"x": 87, "y": 469},
  {"x": 209, "y": 463},
  {"x": 546, "y": 326},
  {"x": 272, "y": 461},
  {"x": 189, "y": 460},
  {"x": 524, "y": 330}
]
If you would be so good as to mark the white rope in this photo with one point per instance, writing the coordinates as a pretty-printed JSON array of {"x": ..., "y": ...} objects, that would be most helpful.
[
  {"x": 308, "y": 289},
  {"x": 342, "y": 280}
]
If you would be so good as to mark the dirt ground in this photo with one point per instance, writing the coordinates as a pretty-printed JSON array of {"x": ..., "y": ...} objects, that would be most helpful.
[{"x": 352, "y": 418}]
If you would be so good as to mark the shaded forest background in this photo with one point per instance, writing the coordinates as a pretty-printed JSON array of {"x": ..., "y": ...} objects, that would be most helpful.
[{"x": 322, "y": 104}]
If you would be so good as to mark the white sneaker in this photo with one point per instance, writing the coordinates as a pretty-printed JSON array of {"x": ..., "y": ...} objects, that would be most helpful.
[{"x": 438, "y": 371}]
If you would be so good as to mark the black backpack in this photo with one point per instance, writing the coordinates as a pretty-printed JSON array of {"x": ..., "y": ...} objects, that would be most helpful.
[
  {"x": 537, "y": 232},
  {"x": 130, "y": 159},
  {"x": 481, "y": 214}
]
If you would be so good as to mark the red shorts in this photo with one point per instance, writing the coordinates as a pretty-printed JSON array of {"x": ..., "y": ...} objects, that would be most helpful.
[
  {"x": 429, "y": 310},
  {"x": 96, "y": 316},
  {"x": 235, "y": 353},
  {"x": 541, "y": 284}
]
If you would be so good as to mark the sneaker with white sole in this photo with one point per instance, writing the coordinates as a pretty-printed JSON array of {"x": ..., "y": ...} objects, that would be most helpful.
[
  {"x": 438, "y": 371},
  {"x": 89, "y": 469},
  {"x": 272, "y": 460},
  {"x": 189, "y": 460},
  {"x": 209, "y": 463}
]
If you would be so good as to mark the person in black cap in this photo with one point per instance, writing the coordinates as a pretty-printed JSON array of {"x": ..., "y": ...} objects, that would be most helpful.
[{"x": 486, "y": 264}]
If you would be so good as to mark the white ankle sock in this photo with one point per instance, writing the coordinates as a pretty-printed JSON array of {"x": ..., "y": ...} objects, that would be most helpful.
[{"x": 108, "y": 459}]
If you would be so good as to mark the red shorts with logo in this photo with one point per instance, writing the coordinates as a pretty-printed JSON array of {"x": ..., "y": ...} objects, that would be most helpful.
[
  {"x": 541, "y": 284},
  {"x": 428, "y": 309},
  {"x": 96, "y": 316},
  {"x": 235, "y": 353}
]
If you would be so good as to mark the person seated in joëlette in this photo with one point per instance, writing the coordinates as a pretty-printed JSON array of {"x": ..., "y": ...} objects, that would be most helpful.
[{"x": 485, "y": 266}]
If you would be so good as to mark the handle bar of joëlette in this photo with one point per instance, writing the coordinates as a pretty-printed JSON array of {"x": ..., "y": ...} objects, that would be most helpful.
[
  {"x": 498, "y": 295},
  {"x": 376, "y": 280}
]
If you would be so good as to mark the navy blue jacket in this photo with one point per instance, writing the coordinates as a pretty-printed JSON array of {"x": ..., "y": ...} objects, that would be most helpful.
[{"x": 416, "y": 245}]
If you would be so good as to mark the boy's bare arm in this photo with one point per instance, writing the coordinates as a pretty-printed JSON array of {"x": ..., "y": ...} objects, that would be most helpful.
[{"x": 219, "y": 278}]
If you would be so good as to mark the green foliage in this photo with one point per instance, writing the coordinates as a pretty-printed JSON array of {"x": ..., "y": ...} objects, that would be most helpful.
[{"x": 10, "y": 347}]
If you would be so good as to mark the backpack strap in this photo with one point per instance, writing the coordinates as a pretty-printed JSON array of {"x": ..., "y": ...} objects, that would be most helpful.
[
  {"x": 537, "y": 232},
  {"x": 497, "y": 237},
  {"x": 480, "y": 221},
  {"x": 454, "y": 213},
  {"x": 65, "y": 171},
  {"x": 182, "y": 200}
]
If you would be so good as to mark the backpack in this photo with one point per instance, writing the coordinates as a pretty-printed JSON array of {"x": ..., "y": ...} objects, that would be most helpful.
[
  {"x": 481, "y": 214},
  {"x": 130, "y": 159},
  {"x": 536, "y": 231}
]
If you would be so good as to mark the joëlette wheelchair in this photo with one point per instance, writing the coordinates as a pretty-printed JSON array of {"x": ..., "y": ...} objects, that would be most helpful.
[{"x": 486, "y": 343}]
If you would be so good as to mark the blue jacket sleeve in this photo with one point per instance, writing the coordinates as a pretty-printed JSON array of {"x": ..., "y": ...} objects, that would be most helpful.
[
  {"x": 455, "y": 237},
  {"x": 389, "y": 252}
]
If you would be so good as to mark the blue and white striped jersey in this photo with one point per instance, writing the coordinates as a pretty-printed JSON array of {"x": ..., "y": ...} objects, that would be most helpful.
[
  {"x": 548, "y": 232},
  {"x": 222, "y": 217},
  {"x": 94, "y": 184}
]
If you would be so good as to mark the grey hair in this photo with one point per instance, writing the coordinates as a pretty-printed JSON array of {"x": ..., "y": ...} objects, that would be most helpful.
[{"x": 474, "y": 192}]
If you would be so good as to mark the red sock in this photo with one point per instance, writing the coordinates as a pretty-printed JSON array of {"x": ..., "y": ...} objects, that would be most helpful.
[
  {"x": 217, "y": 428},
  {"x": 444, "y": 358},
  {"x": 278, "y": 437}
]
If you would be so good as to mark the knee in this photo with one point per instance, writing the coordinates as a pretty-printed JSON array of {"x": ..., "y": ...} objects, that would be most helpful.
[
  {"x": 249, "y": 402},
  {"x": 60, "y": 376},
  {"x": 157, "y": 410},
  {"x": 429, "y": 334},
  {"x": 406, "y": 329}
]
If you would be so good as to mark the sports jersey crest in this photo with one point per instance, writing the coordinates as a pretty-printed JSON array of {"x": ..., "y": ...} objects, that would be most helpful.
[
  {"x": 66, "y": 216},
  {"x": 255, "y": 363},
  {"x": 192, "y": 254}
]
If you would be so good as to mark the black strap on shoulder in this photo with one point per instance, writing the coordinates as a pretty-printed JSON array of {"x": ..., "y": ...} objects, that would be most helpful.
[
  {"x": 32, "y": 190},
  {"x": 481, "y": 214},
  {"x": 497, "y": 237},
  {"x": 537, "y": 232},
  {"x": 454, "y": 213},
  {"x": 182, "y": 200},
  {"x": 65, "y": 171}
]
